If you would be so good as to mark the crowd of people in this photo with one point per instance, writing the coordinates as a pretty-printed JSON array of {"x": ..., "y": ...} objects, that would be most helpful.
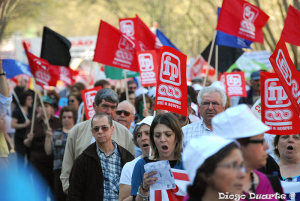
[{"x": 222, "y": 147}]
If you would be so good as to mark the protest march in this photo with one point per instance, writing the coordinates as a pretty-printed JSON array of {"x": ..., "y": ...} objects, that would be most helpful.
[{"x": 127, "y": 114}]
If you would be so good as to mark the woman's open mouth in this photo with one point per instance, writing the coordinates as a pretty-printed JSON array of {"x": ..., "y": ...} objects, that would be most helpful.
[
  {"x": 145, "y": 145},
  {"x": 165, "y": 148},
  {"x": 290, "y": 148}
]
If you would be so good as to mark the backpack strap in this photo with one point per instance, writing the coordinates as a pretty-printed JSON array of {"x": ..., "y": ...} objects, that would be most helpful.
[{"x": 276, "y": 185}]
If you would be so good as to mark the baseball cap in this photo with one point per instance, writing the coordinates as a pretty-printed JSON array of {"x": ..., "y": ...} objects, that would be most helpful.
[
  {"x": 237, "y": 122},
  {"x": 255, "y": 75},
  {"x": 197, "y": 87},
  {"x": 147, "y": 120},
  {"x": 47, "y": 99},
  {"x": 200, "y": 149},
  {"x": 140, "y": 91}
]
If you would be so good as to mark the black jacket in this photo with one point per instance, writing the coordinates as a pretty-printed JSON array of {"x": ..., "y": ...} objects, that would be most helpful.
[{"x": 86, "y": 178}]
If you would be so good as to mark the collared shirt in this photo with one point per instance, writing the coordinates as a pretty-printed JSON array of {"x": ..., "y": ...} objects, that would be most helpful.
[
  {"x": 58, "y": 147},
  {"x": 194, "y": 130},
  {"x": 111, "y": 169}
]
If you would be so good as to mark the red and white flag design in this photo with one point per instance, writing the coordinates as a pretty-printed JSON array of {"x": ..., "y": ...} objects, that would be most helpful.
[
  {"x": 148, "y": 63},
  {"x": 181, "y": 180},
  {"x": 196, "y": 68},
  {"x": 88, "y": 97},
  {"x": 235, "y": 84}
]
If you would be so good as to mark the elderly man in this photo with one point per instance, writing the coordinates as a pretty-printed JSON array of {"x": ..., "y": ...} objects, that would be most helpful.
[
  {"x": 212, "y": 100},
  {"x": 253, "y": 94},
  {"x": 96, "y": 172},
  {"x": 80, "y": 137},
  {"x": 125, "y": 114}
]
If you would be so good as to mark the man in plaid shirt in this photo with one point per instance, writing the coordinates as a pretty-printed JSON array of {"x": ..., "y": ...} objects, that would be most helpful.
[{"x": 96, "y": 172}]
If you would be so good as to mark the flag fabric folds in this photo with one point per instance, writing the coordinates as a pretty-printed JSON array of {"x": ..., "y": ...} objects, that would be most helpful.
[
  {"x": 242, "y": 19},
  {"x": 164, "y": 40},
  {"x": 14, "y": 68},
  {"x": 55, "y": 48},
  {"x": 291, "y": 29}
]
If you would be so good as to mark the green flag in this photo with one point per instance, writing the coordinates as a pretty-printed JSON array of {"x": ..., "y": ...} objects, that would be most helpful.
[
  {"x": 118, "y": 73},
  {"x": 247, "y": 65}
]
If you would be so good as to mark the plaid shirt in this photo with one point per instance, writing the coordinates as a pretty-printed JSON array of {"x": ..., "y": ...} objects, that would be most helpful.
[
  {"x": 111, "y": 169},
  {"x": 194, "y": 130}
]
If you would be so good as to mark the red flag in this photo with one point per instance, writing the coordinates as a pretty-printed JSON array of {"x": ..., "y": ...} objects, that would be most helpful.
[
  {"x": 291, "y": 29},
  {"x": 242, "y": 19},
  {"x": 196, "y": 67},
  {"x": 88, "y": 97},
  {"x": 235, "y": 84},
  {"x": 277, "y": 110},
  {"x": 66, "y": 75},
  {"x": 171, "y": 85},
  {"x": 287, "y": 73},
  {"x": 44, "y": 73},
  {"x": 148, "y": 63},
  {"x": 115, "y": 49}
]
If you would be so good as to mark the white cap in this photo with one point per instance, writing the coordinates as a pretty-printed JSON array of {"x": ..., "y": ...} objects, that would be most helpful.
[
  {"x": 152, "y": 92},
  {"x": 147, "y": 120},
  {"x": 218, "y": 84},
  {"x": 237, "y": 122},
  {"x": 197, "y": 87},
  {"x": 200, "y": 149},
  {"x": 140, "y": 91}
]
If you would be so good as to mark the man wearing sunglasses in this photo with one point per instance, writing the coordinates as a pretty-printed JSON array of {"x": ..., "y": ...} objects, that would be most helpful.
[
  {"x": 80, "y": 136},
  {"x": 125, "y": 114},
  {"x": 132, "y": 86},
  {"x": 96, "y": 172}
]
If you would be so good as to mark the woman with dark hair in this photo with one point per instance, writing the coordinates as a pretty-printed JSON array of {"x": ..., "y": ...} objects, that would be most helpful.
[
  {"x": 147, "y": 111},
  {"x": 166, "y": 143},
  {"x": 74, "y": 99},
  {"x": 20, "y": 124},
  {"x": 55, "y": 97},
  {"x": 215, "y": 167},
  {"x": 131, "y": 97},
  {"x": 287, "y": 149},
  {"x": 55, "y": 142},
  {"x": 78, "y": 86}
]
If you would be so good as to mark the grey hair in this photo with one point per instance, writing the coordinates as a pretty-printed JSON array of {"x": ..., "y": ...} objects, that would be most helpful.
[
  {"x": 212, "y": 89},
  {"x": 108, "y": 95},
  {"x": 133, "y": 108}
]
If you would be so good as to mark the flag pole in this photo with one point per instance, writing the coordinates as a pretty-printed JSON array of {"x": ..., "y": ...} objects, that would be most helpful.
[
  {"x": 34, "y": 109},
  {"x": 126, "y": 86},
  {"x": 216, "y": 62},
  {"x": 209, "y": 57},
  {"x": 18, "y": 102},
  {"x": 144, "y": 98}
]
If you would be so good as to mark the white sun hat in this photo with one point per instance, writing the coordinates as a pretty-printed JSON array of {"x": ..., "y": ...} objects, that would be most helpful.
[
  {"x": 147, "y": 120},
  {"x": 238, "y": 122},
  {"x": 200, "y": 149}
]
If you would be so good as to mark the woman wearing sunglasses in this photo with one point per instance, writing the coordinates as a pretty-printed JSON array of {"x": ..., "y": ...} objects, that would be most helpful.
[
  {"x": 75, "y": 99},
  {"x": 215, "y": 168},
  {"x": 166, "y": 142},
  {"x": 240, "y": 123},
  {"x": 55, "y": 142}
]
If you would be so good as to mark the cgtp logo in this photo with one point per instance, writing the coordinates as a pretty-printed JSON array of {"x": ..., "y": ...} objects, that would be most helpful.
[
  {"x": 275, "y": 96},
  {"x": 90, "y": 97},
  {"x": 126, "y": 44},
  {"x": 284, "y": 67},
  {"x": 234, "y": 80},
  {"x": 146, "y": 62},
  {"x": 127, "y": 27},
  {"x": 170, "y": 69},
  {"x": 249, "y": 15},
  {"x": 41, "y": 64}
]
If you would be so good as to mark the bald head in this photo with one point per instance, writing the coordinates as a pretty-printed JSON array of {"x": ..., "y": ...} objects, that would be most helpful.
[{"x": 125, "y": 113}]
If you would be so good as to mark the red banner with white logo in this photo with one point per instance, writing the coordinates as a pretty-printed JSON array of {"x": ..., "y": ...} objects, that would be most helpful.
[
  {"x": 196, "y": 68},
  {"x": 148, "y": 63},
  {"x": 66, "y": 75},
  {"x": 291, "y": 30},
  {"x": 115, "y": 49},
  {"x": 88, "y": 97},
  {"x": 287, "y": 73},
  {"x": 277, "y": 110},
  {"x": 171, "y": 88},
  {"x": 242, "y": 19},
  {"x": 181, "y": 181},
  {"x": 44, "y": 73},
  {"x": 235, "y": 84}
]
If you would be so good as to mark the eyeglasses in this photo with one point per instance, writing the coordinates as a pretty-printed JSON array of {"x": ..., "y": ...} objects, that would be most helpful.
[
  {"x": 103, "y": 128},
  {"x": 105, "y": 107},
  {"x": 262, "y": 141},
  {"x": 67, "y": 117},
  {"x": 234, "y": 166},
  {"x": 131, "y": 88},
  {"x": 119, "y": 112}
]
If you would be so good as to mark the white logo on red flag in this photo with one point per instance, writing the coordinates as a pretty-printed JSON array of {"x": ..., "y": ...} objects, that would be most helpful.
[
  {"x": 148, "y": 67},
  {"x": 235, "y": 84},
  {"x": 284, "y": 67},
  {"x": 88, "y": 97},
  {"x": 247, "y": 24},
  {"x": 127, "y": 27},
  {"x": 124, "y": 55},
  {"x": 197, "y": 67},
  {"x": 66, "y": 76},
  {"x": 171, "y": 85}
]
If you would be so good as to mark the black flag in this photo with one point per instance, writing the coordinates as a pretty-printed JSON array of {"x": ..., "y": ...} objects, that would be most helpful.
[
  {"x": 226, "y": 56},
  {"x": 55, "y": 48}
]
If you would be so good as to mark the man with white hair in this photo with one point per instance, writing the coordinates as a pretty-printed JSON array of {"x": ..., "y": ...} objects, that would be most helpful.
[
  {"x": 125, "y": 114},
  {"x": 212, "y": 101}
]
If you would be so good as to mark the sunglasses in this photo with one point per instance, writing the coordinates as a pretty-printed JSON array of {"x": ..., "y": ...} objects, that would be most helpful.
[
  {"x": 67, "y": 117},
  {"x": 257, "y": 141},
  {"x": 119, "y": 112},
  {"x": 103, "y": 128}
]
